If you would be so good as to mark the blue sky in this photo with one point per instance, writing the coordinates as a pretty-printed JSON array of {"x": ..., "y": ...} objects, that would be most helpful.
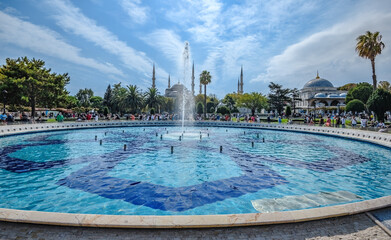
[{"x": 102, "y": 42}]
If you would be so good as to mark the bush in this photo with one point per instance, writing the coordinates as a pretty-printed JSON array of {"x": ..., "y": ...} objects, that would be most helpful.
[
  {"x": 355, "y": 105},
  {"x": 223, "y": 110},
  {"x": 200, "y": 108}
]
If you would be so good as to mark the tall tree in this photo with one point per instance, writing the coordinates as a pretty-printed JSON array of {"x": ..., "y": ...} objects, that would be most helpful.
[
  {"x": 205, "y": 79},
  {"x": 230, "y": 101},
  {"x": 134, "y": 99},
  {"x": 369, "y": 46},
  {"x": 119, "y": 97},
  {"x": 108, "y": 98},
  {"x": 29, "y": 83},
  {"x": 253, "y": 101},
  {"x": 362, "y": 91},
  {"x": 152, "y": 98},
  {"x": 278, "y": 97},
  {"x": 70, "y": 102},
  {"x": 379, "y": 102},
  {"x": 84, "y": 96},
  {"x": 97, "y": 102}
]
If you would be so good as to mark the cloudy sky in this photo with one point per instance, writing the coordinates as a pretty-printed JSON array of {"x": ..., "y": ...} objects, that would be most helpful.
[{"x": 102, "y": 42}]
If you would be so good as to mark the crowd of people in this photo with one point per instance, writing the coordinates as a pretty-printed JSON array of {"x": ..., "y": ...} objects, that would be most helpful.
[{"x": 328, "y": 120}]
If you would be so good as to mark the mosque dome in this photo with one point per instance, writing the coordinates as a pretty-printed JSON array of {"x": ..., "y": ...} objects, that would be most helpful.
[
  {"x": 318, "y": 83},
  {"x": 333, "y": 96},
  {"x": 342, "y": 95},
  {"x": 177, "y": 87}
]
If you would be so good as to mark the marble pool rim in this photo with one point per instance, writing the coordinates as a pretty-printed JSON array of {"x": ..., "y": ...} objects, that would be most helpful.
[{"x": 196, "y": 221}]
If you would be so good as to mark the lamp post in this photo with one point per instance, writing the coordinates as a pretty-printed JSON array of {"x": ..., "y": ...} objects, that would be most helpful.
[{"x": 4, "y": 93}]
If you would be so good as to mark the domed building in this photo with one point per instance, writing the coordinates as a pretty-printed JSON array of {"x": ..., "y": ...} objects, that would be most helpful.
[{"x": 320, "y": 92}]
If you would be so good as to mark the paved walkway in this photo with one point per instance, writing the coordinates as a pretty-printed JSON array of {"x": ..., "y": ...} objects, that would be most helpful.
[{"x": 351, "y": 227}]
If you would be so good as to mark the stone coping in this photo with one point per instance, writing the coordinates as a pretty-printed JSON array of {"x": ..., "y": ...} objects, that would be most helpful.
[{"x": 195, "y": 221}]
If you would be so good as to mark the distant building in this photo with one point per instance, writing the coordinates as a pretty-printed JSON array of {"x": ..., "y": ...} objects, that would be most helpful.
[{"x": 319, "y": 92}]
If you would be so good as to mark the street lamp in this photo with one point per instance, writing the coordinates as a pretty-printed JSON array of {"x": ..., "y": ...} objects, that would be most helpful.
[{"x": 4, "y": 93}]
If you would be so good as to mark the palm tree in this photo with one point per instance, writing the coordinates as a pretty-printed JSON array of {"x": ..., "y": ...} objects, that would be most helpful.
[
  {"x": 369, "y": 46},
  {"x": 134, "y": 98},
  {"x": 152, "y": 98},
  {"x": 205, "y": 79}
]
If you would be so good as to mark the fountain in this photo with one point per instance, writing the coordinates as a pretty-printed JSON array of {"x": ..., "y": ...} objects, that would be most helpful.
[{"x": 185, "y": 95}]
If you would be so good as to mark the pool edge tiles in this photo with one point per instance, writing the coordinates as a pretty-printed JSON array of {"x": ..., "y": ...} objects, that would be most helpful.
[
  {"x": 180, "y": 221},
  {"x": 191, "y": 221}
]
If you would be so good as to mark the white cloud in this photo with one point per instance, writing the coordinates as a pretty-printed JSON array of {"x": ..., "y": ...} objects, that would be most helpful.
[
  {"x": 42, "y": 40},
  {"x": 71, "y": 19},
  {"x": 136, "y": 12},
  {"x": 331, "y": 51},
  {"x": 169, "y": 43}
]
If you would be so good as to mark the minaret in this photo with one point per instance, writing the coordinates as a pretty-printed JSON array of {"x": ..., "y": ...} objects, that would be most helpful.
[
  {"x": 169, "y": 84},
  {"x": 200, "y": 87},
  {"x": 238, "y": 87},
  {"x": 192, "y": 80},
  {"x": 153, "y": 76},
  {"x": 241, "y": 80}
]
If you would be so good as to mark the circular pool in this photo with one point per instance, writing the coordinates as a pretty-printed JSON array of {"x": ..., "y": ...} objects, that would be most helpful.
[{"x": 168, "y": 170}]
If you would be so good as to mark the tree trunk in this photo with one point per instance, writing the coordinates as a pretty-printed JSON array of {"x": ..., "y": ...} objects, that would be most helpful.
[
  {"x": 205, "y": 101},
  {"x": 252, "y": 112},
  {"x": 373, "y": 74}
]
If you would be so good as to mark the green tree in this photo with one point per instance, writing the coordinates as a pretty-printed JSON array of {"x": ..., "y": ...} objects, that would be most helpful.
[
  {"x": 379, "y": 102},
  {"x": 96, "y": 102},
  {"x": 278, "y": 97},
  {"x": 355, "y": 105},
  {"x": 223, "y": 110},
  {"x": 205, "y": 79},
  {"x": 84, "y": 96},
  {"x": 108, "y": 97},
  {"x": 210, "y": 107},
  {"x": 167, "y": 104},
  {"x": 200, "y": 108},
  {"x": 152, "y": 98},
  {"x": 119, "y": 97},
  {"x": 71, "y": 102},
  {"x": 362, "y": 92},
  {"x": 385, "y": 85},
  {"x": 29, "y": 83},
  {"x": 134, "y": 99},
  {"x": 347, "y": 87},
  {"x": 253, "y": 101},
  {"x": 230, "y": 101},
  {"x": 369, "y": 46},
  {"x": 200, "y": 98}
]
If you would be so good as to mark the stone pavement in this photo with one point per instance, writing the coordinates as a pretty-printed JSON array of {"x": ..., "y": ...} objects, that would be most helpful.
[{"x": 358, "y": 226}]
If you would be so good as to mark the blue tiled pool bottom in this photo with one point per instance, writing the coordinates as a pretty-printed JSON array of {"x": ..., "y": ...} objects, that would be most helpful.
[{"x": 71, "y": 172}]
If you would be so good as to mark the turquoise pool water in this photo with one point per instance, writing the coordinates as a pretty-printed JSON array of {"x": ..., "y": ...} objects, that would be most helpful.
[{"x": 257, "y": 170}]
